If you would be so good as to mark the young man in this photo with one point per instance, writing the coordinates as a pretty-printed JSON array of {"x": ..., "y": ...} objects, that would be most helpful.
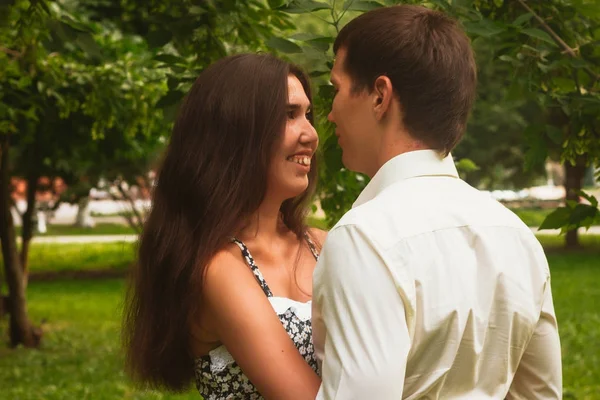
[{"x": 427, "y": 288}]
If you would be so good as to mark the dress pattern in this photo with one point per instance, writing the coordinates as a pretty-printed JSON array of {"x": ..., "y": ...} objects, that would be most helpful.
[{"x": 219, "y": 377}]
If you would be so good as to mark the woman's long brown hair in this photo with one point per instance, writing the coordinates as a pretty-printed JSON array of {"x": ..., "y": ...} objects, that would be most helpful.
[{"x": 213, "y": 175}]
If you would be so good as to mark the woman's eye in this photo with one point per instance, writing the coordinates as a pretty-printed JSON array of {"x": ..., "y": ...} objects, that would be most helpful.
[{"x": 290, "y": 114}]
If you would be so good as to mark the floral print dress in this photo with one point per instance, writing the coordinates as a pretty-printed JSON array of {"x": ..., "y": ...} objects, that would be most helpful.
[{"x": 219, "y": 377}]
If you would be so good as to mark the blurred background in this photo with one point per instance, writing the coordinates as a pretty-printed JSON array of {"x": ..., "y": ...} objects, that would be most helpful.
[{"x": 89, "y": 90}]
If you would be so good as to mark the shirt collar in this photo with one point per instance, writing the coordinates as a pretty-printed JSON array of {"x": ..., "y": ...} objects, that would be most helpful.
[{"x": 405, "y": 166}]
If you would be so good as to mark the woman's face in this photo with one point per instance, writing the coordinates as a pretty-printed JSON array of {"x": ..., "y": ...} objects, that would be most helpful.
[{"x": 288, "y": 172}]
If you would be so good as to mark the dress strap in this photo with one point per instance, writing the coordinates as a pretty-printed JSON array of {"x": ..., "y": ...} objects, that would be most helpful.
[
  {"x": 250, "y": 261},
  {"x": 311, "y": 246}
]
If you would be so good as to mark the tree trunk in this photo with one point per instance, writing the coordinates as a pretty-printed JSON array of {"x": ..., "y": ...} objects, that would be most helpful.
[
  {"x": 3, "y": 298},
  {"x": 84, "y": 218},
  {"x": 573, "y": 184},
  {"x": 21, "y": 330},
  {"x": 27, "y": 233}
]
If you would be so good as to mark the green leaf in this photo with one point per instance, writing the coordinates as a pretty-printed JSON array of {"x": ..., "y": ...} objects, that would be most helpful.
[
  {"x": 326, "y": 91},
  {"x": 76, "y": 25},
  {"x": 316, "y": 74},
  {"x": 514, "y": 92},
  {"x": 555, "y": 134},
  {"x": 303, "y": 36},
  {"x": 466, "y": 165},
  {"x": 169, "y": 59},
  {"x": 485, "y": 28},
  {"x": 521, "y": 19},
  {"x": 158, "y": 38},
  {"x": 321, "y": 44},
  {"x": 305, "y": 6},
  {"x": 196, "y": 10},
  {"x": 537, "y": 149},
  {"x": 591, "y": 8},
  {"x": 87, "y": 43},
  {"x": 563, "y": 84},
  {"x": 332, "y": 154},
  {"x": 171, "y": 98},
  {"x": 507, "y": 58},
  {"x": 172, "y": 82},
  {"x": 571, "y": 204},
  {"x": 543, "y": 67},
  {"x": 577, "y": 63},
  {"x": 593, "y": 200},
  {"x": 62, "y": 31},
  {"x": 556, "y": 219},
  {"x": 275, "y": 4},
  {"x": 539, "y": 34},
  {"x": 582, "y": 213},
  {"x": 443, "y": 4},
  {"x": 44, "y": 6},
  {"x": 284, "y": 45},
  {"x": 361, "y": 5}
]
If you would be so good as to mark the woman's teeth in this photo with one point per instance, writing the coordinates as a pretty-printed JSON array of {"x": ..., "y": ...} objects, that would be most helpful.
[{"x": 302, "y": 160}]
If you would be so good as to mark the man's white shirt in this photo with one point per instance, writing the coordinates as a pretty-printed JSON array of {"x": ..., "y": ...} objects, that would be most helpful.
[{"x": 429, "y": 288}]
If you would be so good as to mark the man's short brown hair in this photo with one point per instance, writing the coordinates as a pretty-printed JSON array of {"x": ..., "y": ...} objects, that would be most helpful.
[{"x": 428, "y": 59}]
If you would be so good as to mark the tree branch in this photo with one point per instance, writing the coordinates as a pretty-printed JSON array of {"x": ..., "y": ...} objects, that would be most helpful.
[
  {"x": 126, "y": 196},
  {"x": 567, "y": 49},
  {"x": 547, "y": 28},
  {"x": 132, "y": 223},
  {"x": 15, "y": 54}
]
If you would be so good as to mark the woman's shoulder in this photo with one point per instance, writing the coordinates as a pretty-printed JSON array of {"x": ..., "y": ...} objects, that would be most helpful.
[
  {"x": 224, "y": 266},
  {"x": 230, "y": 283}
]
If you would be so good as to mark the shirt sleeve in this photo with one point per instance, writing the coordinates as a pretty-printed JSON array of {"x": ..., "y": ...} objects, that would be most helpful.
[
  {"x": 539, "y": 375},
  {"x": 360, "y": 319}
]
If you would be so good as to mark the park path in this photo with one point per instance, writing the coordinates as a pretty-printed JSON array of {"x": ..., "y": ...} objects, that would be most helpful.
[
  {"x": 594, "y": 230},
  {"x": 86, "y": 239}
]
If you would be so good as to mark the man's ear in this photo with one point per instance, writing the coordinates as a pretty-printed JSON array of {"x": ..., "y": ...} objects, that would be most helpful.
[{"x": 383, "y": 94}]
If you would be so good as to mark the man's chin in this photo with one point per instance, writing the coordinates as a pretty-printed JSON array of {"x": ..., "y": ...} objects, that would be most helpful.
[{"x": 348, "y": 162}]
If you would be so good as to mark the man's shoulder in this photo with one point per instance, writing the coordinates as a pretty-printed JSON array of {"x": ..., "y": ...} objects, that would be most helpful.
[
  {"x": 413, "y": 207},
  {"x": 379, "y": 220}
]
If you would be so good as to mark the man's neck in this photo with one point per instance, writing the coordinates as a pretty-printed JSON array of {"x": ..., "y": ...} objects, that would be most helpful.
[{"x": 393, "y": 144}]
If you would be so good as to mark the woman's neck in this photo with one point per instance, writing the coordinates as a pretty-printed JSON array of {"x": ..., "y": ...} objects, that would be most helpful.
[{"x": 265, "y": 225}]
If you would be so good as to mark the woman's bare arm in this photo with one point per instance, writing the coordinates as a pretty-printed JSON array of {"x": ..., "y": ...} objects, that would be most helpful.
[{"x": 247, "y": 325}]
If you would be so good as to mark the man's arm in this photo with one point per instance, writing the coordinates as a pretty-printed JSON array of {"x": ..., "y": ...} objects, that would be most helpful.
[
  {"x": 361, "y": 308},
  {"x": 539, "y": 375}
]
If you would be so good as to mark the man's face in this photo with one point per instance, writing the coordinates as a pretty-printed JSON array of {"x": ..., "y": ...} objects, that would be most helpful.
[{"x": 352, "y": 113}]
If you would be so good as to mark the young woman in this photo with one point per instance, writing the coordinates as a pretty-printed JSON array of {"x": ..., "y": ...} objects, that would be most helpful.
[{"x": 221, "y": 291}]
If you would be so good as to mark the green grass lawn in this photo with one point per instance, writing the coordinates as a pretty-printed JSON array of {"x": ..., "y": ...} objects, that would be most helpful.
[
  {"x": 535, "y": 216},
  {"x": 81, "y": 358},
  {"x": 99, "y": 229},
  {"x": 60, "y": 258},
  {"x": 532, "y": 216},
  {"x": 576, "y": 301}
]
